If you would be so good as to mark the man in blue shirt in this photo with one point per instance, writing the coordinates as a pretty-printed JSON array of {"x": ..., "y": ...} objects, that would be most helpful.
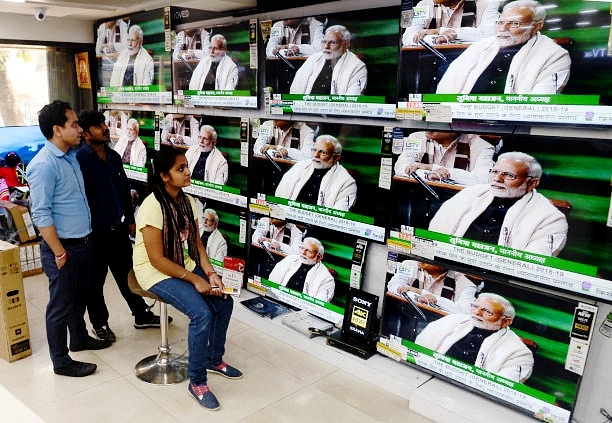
[
  {"x": 61, "y": 213},
  {"x": 112, "y": 220}
]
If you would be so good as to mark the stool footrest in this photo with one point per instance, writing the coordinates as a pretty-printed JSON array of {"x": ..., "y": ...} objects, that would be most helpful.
[{"x": 161, "y": 369}]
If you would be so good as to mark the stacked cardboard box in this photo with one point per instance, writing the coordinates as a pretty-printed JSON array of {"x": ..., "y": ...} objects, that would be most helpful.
[
  {"x": 21, "y": 231},
  {"x": 22, "y": 225},
  {"x": 14, "y": 329}
]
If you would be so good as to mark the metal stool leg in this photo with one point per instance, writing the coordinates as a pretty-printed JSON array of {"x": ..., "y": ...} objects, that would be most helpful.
[{"x": 162, "y": 368}]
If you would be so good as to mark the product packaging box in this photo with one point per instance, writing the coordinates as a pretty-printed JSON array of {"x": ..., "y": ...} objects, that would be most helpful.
[
  {"x": 29, "y": 255},
  {"x": 14, "y": 329},
  {"x": 22, "y": 229}
]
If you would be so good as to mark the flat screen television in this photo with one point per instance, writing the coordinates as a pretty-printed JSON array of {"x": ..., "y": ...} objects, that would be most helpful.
[
  {"x": 332, "y": 262},
  {"x": 223, "y": 171},
  {"x": 133, "y": 63},
  {"x": 23, "y": 140},
  {"x": 215, "y": 65},
  {"x": 455, "y": 79},
  {"x": 556, "y": 235},
  {"x": 530, "y": 359},
  {"x": 137, "y": 129},
  {"x": 350, "y": 196},
  {"x": 297, "y": 81},
  {"x": 226, "y": 243}
]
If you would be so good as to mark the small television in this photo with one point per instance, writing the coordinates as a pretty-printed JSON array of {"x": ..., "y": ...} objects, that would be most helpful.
[
  {"x": 215, "y": 65},
  {"x": 449, "y": 80},
  {"x": 26, "y": 141},
  {"x": 561, "y": 243},
  {"x": 358, "y": 83},
  {"x": 221, "y": 173},
  {"x": 133, "y": 64},
  {"x": 136, "y": 129},
  {"x": 454, "y": 325},
  {"x": 284, "y": 263},
  {"x": 348, "y": 197}
]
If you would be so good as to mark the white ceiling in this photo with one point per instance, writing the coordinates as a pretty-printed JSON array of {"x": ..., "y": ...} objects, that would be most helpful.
[{"x": 94, "y": 10}]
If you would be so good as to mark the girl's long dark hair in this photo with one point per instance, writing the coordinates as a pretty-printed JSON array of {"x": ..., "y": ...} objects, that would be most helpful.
[{"x": 178, "y": 214}]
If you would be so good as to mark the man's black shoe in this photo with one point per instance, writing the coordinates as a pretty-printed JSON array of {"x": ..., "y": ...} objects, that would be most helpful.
[
  {"x": 105, "y": 333},
  {"x": 148, "y": 320},
  {"x": 76, "y": 369},
  {"x": 91, "y": 344}
]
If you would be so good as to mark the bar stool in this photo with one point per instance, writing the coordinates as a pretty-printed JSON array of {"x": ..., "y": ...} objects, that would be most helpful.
[{"x": 162, "y": 368}]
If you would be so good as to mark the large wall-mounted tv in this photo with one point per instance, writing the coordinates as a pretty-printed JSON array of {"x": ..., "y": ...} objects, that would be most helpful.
[
  {"x": 512, "y": 343},
  {"x": 132, "y": 62},
  {"x": 215, "y": 65},
  {"x": 218, "y": 167},
  {"x": 335, "y": 64},
  {"x": 296, "y": 167},
  {"x": 306, "y": 266},
  {"x": 552, "y": 229},
  {"x": 511, "y": 67}
]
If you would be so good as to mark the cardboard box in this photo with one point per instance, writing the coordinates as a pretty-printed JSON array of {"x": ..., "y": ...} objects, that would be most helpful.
[
  {"x": 29, "y": 255},
  {"x": 14, "y": 328},
  {"x": 22, "y": 224}
]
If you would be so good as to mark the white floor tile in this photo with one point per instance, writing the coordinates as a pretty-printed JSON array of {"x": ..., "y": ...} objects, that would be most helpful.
[{"x": 287, "y": 376}]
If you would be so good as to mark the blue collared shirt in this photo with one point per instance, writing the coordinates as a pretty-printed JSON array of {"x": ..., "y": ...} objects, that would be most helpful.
[
  {"x": 58, "y": 192},
  {"x": 107, "y": 187}
]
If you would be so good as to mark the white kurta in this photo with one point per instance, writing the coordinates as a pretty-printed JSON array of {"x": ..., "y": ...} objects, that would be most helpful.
[
  {"x": 319, "y": 282},
  {"x": 216, "y": 246},
  {"x": 216, "y": 165},
  {"x": 502, "y": 352},
  {"x": 349, "y": 76},
  {"x": 226, "y": 77},
  {"x": 138, "y": 154},
  {"x": 541, "y": 66},
  {"x": 338, "y": 189},
  {"x": 532, "y": 224},
  {"x": 143, "y": 68}
]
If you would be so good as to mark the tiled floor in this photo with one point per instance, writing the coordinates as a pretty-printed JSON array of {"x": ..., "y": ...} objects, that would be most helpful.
[{"x": 288, "y": 377}]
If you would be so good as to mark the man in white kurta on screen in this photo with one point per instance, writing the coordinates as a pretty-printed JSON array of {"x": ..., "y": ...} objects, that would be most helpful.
[
  {"x": 130, "y": 146},
  {"x": 518, "y": 59},
  {"x": 216, "y": 71},
  {"x": 482, "y": 338},
  {"x": 304, "y": 272},
  {"x": 206, "y": 162},
  {"x": 333, "y": 70},
  {"x": 321, "y": 180},
  {"x": 135, "y": 65},
  {"x": 507, "y": 211}
]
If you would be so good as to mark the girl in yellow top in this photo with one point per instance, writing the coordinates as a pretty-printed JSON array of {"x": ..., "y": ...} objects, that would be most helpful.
[{"x": 171, "y": 262}]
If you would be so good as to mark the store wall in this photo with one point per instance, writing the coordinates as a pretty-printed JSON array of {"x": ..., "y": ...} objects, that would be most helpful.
[{"x": 52, "y": 29}]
